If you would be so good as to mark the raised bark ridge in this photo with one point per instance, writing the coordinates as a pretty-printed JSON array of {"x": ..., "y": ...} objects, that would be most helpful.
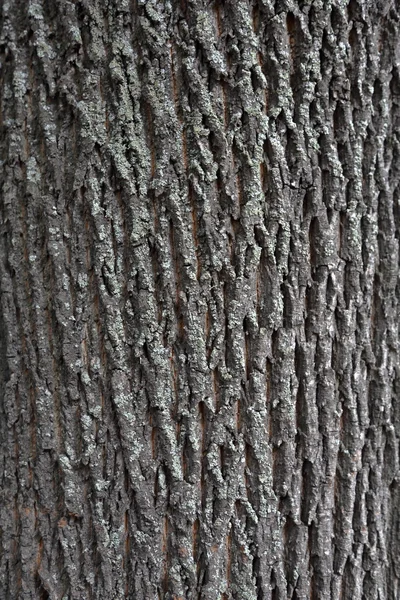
[{"x": 199, "y": 354}]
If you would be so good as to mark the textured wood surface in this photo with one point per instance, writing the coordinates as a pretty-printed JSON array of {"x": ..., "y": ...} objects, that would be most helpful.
[{"x": 199, "y": 325}]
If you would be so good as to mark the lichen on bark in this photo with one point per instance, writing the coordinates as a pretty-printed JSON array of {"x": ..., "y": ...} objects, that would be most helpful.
[{"x": 199, "y": 344}]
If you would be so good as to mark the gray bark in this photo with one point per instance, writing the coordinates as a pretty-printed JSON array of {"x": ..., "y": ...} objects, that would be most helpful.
[{"x": 199, "y": 276}]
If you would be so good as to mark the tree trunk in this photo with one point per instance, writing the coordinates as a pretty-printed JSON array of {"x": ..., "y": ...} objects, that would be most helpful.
[{"x": 199, "y": 274}]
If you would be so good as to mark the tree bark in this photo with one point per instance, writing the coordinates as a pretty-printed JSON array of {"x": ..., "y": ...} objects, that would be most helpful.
[{"x": 199, "y": 276}]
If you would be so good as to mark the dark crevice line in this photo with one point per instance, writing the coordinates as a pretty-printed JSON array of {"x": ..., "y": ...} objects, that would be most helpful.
[
  {"x": 202, "y": 453},
  {"x": 165, "y": 554},
  {"x": 177, "y": 280}
]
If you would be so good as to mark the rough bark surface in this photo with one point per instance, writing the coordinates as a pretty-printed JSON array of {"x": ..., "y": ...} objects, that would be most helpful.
[{"x": 199, "y": 274}]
